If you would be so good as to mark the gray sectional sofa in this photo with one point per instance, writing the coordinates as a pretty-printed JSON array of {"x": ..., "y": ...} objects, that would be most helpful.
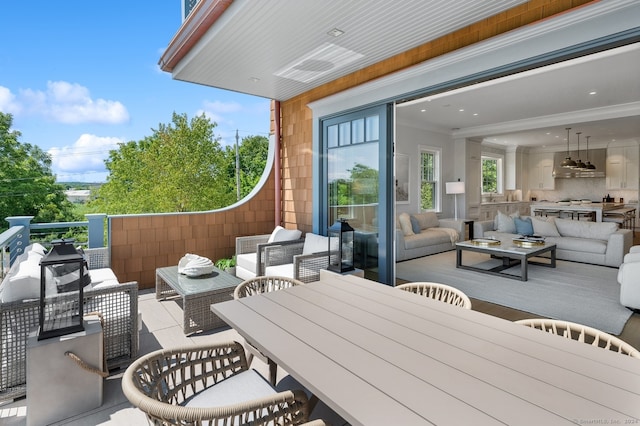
[
  {"x": 599, "y": 243},
  {"x": 422, "y": 234}
]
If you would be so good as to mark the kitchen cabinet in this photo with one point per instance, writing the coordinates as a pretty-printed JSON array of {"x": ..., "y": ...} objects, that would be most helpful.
[
  {"x": 622, "y": 167},
  {"x": 541, "y": 171}
]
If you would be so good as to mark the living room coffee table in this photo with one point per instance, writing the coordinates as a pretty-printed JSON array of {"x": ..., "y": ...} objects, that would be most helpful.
[
  {"x": 197, "y": 293},
  {"x": 510, "y": 254}
]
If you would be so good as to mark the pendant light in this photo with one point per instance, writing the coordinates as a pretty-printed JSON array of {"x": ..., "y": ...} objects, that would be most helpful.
[
  {"x": 588, "y": 163},
  {"x": 568, "y": 163},
  {"x": 579, "y": 164}
]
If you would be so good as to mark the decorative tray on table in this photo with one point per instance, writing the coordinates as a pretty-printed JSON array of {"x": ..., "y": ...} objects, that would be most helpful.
[
  {"x": 485, "y": 242},
  {"x": 528, "y": 241}
]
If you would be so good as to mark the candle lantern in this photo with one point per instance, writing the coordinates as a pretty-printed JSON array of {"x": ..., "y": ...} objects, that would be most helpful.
[
  {"x": 341, "y": 237},
  {"x": 63, "y": 274}
]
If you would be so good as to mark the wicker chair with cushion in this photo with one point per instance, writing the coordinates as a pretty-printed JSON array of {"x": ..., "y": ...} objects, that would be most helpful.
[
  {"x": 301, "y": 260},
  {"x": 208, "y": 385},
  {"x": 582, "y": 333},
  {"x": 437, "y": 291},
  {"x": 250, "y": 250},
  {"x": 259, "y": 285}
]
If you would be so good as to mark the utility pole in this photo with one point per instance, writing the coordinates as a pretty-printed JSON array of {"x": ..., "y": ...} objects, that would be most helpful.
[{"x": 237, "y": 168}]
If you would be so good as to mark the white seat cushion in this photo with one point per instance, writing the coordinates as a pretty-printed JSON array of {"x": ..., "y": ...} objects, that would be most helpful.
[
  {"x": 245, "y": 386},
  {"x": 102, "y": 274},
  {"x": 285, "y": 270},
  {"x": 247, "y": 261}
]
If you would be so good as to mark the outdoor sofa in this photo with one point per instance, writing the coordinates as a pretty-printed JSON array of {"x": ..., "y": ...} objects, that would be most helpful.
[{"x": 116, "y": 302}]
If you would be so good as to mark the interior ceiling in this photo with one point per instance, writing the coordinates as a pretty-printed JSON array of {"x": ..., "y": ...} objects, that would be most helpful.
[
  {"x": 297, "y": 51},
  {"x": 597, "y": 95}
]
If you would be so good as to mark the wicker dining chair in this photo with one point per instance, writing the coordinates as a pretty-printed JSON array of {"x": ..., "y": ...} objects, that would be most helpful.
[
  {"x": 209, "y": 384},
  {"x": 259, "y": 285},
  {"x": 437, "y": 291},
  {"x": 582, "y": 333},
  {"x": 255, "y": 286}
]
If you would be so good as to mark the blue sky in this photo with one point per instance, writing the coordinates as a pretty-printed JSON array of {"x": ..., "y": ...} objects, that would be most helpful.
[{"x": 79, "y": 77}]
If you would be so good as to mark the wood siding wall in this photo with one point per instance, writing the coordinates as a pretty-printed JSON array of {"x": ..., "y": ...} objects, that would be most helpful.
[
  {"x": 140, "y": 244},
  {"x": 297, "y": 117}
]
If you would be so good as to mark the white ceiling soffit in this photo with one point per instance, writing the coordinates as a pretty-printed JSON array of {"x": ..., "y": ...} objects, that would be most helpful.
[{"x": 269, "y": 48}]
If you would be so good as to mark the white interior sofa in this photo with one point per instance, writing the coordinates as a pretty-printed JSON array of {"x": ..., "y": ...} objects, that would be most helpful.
[
  {"x": 598, "y": 243},
  {"x": 629, "y": 279},
  {"x": 19, "y": 314},
  {"x": 421, "y": 234}
]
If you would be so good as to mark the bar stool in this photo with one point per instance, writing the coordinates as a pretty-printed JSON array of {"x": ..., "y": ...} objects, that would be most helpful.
[
  {"x": 567, "y": 214},
  {"x": 551, "y": 212},
  {"x": 618, "y": 216},
  {"x": 587, "y": 215}
]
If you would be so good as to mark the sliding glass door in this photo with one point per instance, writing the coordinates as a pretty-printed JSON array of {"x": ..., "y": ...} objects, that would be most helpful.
[{"x": 355, "y": 179}]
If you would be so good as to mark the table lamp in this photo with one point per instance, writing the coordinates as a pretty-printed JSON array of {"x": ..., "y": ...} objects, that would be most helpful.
[{"x": 455, "y": 188}]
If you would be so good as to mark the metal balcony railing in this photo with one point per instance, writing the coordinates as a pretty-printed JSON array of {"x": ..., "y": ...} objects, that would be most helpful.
[{"x": 22, "y": 232}]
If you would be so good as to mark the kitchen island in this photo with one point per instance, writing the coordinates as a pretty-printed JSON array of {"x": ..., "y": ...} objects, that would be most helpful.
[{"x": 597, "y": 208}]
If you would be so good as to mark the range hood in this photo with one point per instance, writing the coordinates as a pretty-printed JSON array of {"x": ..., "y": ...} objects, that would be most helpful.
[{"x": 597, "y": 157}]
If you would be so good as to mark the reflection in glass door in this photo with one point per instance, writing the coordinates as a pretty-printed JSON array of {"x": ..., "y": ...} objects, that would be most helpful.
[{"x": 355, "y": 186}]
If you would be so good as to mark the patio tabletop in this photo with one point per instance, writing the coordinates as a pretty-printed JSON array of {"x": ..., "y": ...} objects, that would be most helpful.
[{"x": 377, "y": 355}]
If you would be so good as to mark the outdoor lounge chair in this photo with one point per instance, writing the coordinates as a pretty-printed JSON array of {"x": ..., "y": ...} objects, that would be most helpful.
[
  {"x": 250, "y": 250},
  {"x": 209, "y": 384}
]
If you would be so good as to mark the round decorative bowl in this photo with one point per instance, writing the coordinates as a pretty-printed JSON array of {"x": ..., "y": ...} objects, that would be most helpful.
[
  {"x": 527, "y": 243},
  {"x": 485, "y": 242}
]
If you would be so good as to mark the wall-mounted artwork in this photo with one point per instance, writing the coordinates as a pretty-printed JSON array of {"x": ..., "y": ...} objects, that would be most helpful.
[{"x": 402, "y": 178}]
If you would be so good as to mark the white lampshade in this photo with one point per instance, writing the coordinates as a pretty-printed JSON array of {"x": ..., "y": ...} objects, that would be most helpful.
[{"x": 454, "y": 187}]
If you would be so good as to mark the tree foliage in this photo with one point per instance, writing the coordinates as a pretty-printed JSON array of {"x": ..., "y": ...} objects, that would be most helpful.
[
  {"x": 181, "y": 167},
  {"x": 27, "y": 184}
]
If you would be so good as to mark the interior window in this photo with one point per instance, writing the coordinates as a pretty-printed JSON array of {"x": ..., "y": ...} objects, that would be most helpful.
[
  {"x": 491, "y": 174},
  {"x": 429, "y": 179}
]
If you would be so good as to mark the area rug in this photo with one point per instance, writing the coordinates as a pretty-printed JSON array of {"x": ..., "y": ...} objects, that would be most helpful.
[{"x": 577, "y": 292}]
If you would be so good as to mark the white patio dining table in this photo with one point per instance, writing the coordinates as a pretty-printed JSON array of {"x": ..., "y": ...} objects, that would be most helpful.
[{"x": 380, "y": 356}]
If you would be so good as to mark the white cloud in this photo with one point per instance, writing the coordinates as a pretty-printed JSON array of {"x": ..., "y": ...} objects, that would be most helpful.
[
  {"x": 220, "y": 112},
  {"x": 68, "y": 103},
  {"x": 8, "y": 102},
  {"x": 86, "y": 155}
]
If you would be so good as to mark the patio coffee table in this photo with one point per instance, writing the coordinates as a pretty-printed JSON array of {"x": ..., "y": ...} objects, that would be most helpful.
[
  {"x": 510, "y": 255},
  {"x": 197, "y": 293}
]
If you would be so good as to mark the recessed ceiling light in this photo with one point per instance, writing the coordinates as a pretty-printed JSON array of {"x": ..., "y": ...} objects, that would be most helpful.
[
  {"x": 475, "y": 113},
  {"x": 254, "y": 79},
  {"x": 335, "y": 32},
  {"x": 593, "y": 92},
  {"x": 423, "y": 110},
  {"x": 461, "y": 110}
]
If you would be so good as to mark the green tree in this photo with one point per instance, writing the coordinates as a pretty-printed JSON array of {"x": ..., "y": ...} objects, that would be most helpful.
[
  {"x": 252, "y": 153},
  {"x": 181, "y": 167},
  {"x": 27, "y": 184}
]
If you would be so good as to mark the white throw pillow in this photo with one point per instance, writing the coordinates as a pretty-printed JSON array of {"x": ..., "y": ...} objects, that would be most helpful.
[
  {"x": 25, "y": 284},
  {"x": 545, "y": 228},
  {"x": 314, "y": 243},
  {"x": 405, "y": 224},
  {"x": 282, "y": 234},
  {"x": 584, "y": 229}
]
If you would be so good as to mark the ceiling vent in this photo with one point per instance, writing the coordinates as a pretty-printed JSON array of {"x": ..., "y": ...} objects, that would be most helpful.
[{"x": 326, "y": 58}]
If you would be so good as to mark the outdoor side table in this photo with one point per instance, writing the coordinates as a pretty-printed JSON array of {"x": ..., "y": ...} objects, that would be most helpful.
[{"x": 197, "y": 293}]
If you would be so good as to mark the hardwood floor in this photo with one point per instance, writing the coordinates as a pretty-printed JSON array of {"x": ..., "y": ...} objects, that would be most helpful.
[{"x": 630, "y": 332}]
